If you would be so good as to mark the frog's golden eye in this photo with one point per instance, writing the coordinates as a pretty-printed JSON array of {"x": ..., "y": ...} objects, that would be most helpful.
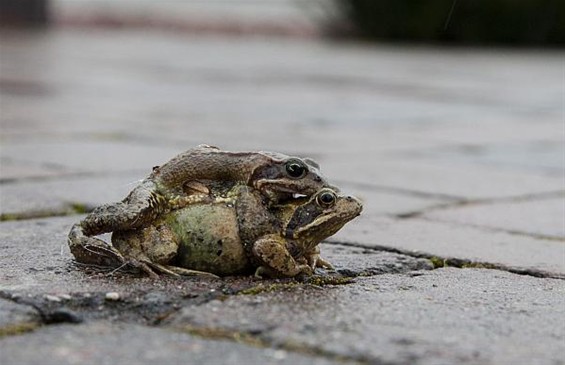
[
  {"x": 326, "y": 199},
  {"x": 296, "y": 169}
]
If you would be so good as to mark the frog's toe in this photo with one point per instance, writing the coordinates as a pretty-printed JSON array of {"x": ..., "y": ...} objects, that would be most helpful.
[
  {"x": 306, "y": 270},
  {"x": 324, "y": 264},
  {"x": 144, "y": 266},
  {"x": 261, "y": 272},
  {"x": 181, "y": 271}
]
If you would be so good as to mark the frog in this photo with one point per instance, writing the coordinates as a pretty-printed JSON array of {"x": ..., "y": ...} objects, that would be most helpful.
[
  {"x": 238, "y": 233},
  {"x": 173, "y": 185}
]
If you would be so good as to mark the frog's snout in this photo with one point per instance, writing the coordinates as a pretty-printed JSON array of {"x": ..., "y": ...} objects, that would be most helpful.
[{"x": 356, "y": 203}]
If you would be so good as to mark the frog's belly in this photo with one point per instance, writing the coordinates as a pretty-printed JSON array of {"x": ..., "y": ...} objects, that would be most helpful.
[{"x": 208, "y": 237}]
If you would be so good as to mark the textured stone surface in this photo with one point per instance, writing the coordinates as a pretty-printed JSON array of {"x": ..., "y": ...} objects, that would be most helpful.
[
  {"x": 106, "y": 343},
  {"x": 443, "y": 316},
  {"x": 544, "y": 217},
  {"x": 17, "y": 318},
  {"x": 60, "y": 194},
  {"x": 449, "y": 178},
  {"x": 446, "y": 239},
  {"x": 86, "y": 112}
]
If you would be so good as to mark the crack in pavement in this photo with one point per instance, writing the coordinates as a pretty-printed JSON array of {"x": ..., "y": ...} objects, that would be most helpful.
[
  {"x": 475, "y": 202},
  {"x": 540, "y": 236},
  {"x": 439, "y": 261},
  {"x": 258, "y": 339},
  {"x": 401, "y": 191},
  {"x": 68, "y": 209}
]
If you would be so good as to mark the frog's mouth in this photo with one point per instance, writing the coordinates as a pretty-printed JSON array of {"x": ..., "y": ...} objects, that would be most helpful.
[{"x": 292, "y": 198}]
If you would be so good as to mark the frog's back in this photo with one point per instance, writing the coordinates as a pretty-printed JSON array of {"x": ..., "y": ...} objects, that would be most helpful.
[{"x": 209, "y": 240}]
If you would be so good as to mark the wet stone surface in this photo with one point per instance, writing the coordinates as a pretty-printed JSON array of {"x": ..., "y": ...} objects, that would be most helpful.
[
  {"x": 456, "y": 153},
  {"x": 443, "y": 316},
  {"x": 107, "y": 343}
]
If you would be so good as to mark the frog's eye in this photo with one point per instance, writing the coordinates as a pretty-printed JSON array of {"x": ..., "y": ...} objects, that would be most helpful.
[
  {"x": 296, "y": 169},
  {"x": 326, "y": 199}
]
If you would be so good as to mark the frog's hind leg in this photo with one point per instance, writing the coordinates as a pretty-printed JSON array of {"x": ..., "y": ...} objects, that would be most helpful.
[
  {"x": 179, "y": 271},
  {"x": 91, "y": 250},
  {"x": 141, "y": 206}
]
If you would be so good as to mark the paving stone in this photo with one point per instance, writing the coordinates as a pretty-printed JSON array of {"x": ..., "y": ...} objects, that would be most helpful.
[
  {"x": 106, "y": 343},
  {"x": 10, "y": 170},
  {"x": 17, "y": 318},
  {"x": 545, "y": 217},
  {"x": 354, "y": 261},
  {"x": 97, "y": 72},
  {"x": 442, "y": 177},
  {"x": 61, "y": 194},
  {"x": 454, "y": 240},
  {"x": 537, "y": 156},
  {"x": 444, "y": 316},
  {"x": 382, "y": 201},
  {"x": 91, "y": 156}
]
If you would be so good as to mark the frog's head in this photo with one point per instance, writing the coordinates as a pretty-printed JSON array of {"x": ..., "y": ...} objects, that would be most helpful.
[
  {"x": 321, "y": 216},
  {"x": 283, "y": 177}
]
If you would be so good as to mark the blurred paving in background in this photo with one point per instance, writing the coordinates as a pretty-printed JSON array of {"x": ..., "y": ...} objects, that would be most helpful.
[{"x": 458, "y": 154}]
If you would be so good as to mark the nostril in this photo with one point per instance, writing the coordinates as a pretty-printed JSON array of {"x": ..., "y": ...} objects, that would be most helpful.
[{"x": 318, "y": 179}]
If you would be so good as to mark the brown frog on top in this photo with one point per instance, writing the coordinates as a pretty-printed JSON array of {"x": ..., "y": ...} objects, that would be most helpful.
[
  {"x": 274, "y": 175},
  {"x": 238, "y": 232}
]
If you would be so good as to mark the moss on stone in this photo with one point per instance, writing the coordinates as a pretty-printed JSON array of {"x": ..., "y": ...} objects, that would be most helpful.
[{"x": 18, "y": 329}]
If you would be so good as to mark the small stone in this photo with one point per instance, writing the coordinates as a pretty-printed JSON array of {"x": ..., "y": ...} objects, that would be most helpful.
[
  {"x": 112, "y": 296},
  {"x": 52, "y": 298},
  {"x": 65, "y": 296}
]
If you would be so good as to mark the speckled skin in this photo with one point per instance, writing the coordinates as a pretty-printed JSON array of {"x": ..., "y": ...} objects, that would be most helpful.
[
  {"x": 166, "y": 188},
  {"x": 237, "y": 233}
]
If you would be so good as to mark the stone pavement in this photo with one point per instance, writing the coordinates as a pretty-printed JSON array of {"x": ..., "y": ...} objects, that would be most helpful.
[{"x": 458, "y": 154}]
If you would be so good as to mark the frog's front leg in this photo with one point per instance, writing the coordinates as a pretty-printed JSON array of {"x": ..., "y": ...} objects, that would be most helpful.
[
  {"x": 314, "y": 259},
  {"x": 272, "y": 253}
]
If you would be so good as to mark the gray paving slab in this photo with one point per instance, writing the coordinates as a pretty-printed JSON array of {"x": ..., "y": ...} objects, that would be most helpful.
[
  {"x": 444, "y": 239},
  {"x": 545, "y": 156},
  {"x": 543, "y": 217},
  {"x": 11, "y": 170},
  {"x": 107, "y": 343},
  {"x": 449, "y": 178},
  {"x": 444, "y": 316},
  {"x": 355, "y": 261},
  {"x": 382, "y": 201},
  {"x": 296, "y": 81},
  {"x": 60, "y": 195},
  {"x": 87, "y": 156}
]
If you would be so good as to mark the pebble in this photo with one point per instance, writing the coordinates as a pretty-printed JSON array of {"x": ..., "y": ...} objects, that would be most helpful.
[
  {"x": 112, "y": 296},
  {"x": 52, "y": 298}
]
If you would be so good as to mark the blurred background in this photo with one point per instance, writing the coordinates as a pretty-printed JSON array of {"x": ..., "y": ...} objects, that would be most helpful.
[
  {"x": 414, "y": 106},
  {"x": 529, "y": 22}
]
